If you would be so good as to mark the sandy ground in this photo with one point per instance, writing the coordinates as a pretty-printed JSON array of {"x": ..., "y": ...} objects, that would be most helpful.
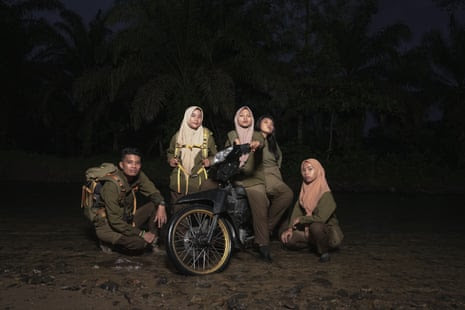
[{"x": 400, "y": 252}]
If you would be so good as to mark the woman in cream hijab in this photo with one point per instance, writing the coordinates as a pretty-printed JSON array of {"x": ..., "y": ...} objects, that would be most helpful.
[
  {"x": 313, "y": 220},
  {"x": 191, "y": 151}
]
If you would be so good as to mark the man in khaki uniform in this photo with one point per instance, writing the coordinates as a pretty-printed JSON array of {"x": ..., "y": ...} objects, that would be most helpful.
[{"x": 118, "y": 222}]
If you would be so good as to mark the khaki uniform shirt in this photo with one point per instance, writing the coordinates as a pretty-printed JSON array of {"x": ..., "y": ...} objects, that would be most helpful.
[
  {"x": 197, "y": 176},
  {"x": 272, "y": 166},
  {"x": 119, "y": 207},
  {"x": 323, "y": 213},
  {"x": 252, "y": 173},
  {"x": 269, "y": 159}
]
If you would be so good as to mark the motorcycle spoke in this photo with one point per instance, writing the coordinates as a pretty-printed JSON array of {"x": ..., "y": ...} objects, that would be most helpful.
[{"x": 191, "y": 245}]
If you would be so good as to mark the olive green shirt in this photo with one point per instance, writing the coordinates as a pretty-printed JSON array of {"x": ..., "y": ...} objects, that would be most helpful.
[
  {"x": 269, "y": 159},
  {"x": 196, "y": 178},
  {"x": 252, "y": 173},
  {"x": 323, "y": 213},
  {"x": 119, "y": 203}
]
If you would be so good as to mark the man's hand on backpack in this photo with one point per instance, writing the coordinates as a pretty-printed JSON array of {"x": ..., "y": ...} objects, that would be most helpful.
[{"x": 160, "y": 217}]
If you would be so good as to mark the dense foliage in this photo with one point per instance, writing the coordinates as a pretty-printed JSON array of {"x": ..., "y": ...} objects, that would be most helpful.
[{"x": 337, "y": 89}]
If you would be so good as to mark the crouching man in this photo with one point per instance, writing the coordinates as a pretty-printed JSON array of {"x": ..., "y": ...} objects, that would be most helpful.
[{"x": 118, "y": 222}]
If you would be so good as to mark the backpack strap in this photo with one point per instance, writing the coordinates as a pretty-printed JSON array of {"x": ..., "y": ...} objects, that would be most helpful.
[
  {"x": 203, "y": 147},
  {"x": 117, "y": 180},
  {"x": 122, "y": 192},
  {"x": 204, "y": 153},
  {"x": 205, "y": 143}
]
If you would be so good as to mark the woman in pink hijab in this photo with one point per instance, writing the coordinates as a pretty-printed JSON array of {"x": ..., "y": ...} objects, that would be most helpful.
[
  {"x": 252, "y": 177},
  {"x": 313, "y": 220}
]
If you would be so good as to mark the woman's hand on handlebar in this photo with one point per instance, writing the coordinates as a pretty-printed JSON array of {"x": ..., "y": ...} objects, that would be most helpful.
[
  {"x": 206, "y": 162},
  {"x": 254, "y": 145}
]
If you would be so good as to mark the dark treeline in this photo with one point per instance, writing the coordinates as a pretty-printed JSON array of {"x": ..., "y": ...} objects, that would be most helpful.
[{"x": 334, "y": 86}]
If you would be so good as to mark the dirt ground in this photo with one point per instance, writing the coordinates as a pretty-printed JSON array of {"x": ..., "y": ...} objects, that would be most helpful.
[{"x": 400, "y": 252}]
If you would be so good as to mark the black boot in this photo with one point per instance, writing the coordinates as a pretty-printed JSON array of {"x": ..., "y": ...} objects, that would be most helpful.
[{"x": 264, "y": 252}]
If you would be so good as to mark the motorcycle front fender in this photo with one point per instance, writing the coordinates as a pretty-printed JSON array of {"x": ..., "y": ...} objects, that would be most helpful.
[{"x": 232, "y": 229}]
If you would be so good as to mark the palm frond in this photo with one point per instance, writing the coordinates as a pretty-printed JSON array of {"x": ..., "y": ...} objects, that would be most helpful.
[{"x": 151, "y": 98}]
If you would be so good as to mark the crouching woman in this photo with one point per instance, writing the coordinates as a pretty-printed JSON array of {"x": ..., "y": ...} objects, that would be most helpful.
[{"x": 313, "y": 220}]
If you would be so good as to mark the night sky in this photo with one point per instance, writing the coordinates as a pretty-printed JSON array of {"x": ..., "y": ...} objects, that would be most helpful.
[{"x": 420, "y": 15}]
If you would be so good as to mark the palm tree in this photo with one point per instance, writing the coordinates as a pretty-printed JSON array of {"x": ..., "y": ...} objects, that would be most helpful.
[
  {"x": 339, "y": 67},
  {"x": 22, "y": 69},
  {"x": 168, "y": 55},
  {"x": 79, "y": 49},
  {"x": 448, "y": 65},
  {"x": 450, "y": 5}
]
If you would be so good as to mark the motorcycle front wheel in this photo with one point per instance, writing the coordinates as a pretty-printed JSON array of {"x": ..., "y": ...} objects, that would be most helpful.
[{"x": 188, "y": 246}]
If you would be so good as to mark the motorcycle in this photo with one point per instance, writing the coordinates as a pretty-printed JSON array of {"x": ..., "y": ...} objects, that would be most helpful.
[{"x": 202, "y": 235}]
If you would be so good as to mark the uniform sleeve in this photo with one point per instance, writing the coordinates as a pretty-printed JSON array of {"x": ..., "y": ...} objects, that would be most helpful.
[
  {"x": 280, "y": 154},
  {"x": 170, "y": 151},
  {"x": 115, "y": 213},
  {"x": 296, "y": 212},
  {"x": 259, "y": 137},
  {"x": 212, "y": 150},
  {"x": 230, "y": 140},
  {"x": 148, "y": 189},
  {"x": 323, "y": 211}
]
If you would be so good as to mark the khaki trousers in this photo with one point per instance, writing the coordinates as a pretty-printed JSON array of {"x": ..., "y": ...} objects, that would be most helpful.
[
  {"x": 321, "y": 235},
  {"x": 280, "y": 198},
  {"x": 143, "y": 217},
  {"x": 258, "y": 202}
]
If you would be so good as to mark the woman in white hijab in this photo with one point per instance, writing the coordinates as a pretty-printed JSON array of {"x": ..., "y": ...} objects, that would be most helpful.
[
  {"x": 191, "y": 151},
  {"x": 313, "y": 220}
]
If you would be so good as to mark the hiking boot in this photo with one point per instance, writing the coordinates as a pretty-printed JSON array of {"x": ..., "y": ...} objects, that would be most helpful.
[
  {"x": 156, "y": 249},
  {"x": 106, "y": 247},
  {"x": 264, "y": 253}
]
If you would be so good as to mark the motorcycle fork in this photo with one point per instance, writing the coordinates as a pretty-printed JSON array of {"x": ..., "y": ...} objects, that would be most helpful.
[
  {"x": 212, "y": 228},
  {"x": 218, "y": 206}
]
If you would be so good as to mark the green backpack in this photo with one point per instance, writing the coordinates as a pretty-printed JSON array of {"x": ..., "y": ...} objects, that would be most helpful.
[{"x": 95, "y": 178}]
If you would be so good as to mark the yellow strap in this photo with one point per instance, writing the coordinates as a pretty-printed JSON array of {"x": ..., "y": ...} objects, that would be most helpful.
[
  {"x": 134, "y": 206},
  {"x": 188, "y": 146},
  {"x": 186, "y": 176},
  {"x": 205, "y": 144},
  {"x": 204, "y": 149},
  {"x": 204, "y": 172}
]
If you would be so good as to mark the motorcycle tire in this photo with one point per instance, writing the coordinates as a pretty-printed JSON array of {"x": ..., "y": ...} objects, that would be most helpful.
[{"x": 187, "y": 245}]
